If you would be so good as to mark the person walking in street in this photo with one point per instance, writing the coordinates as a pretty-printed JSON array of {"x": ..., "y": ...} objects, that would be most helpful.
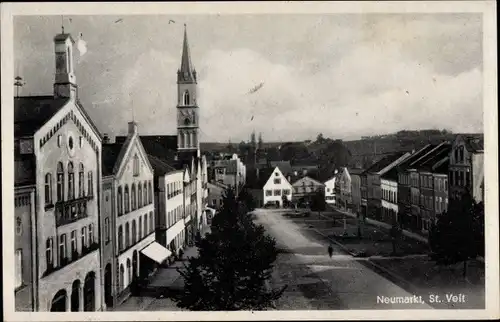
[{"x": 330, "y": 251}]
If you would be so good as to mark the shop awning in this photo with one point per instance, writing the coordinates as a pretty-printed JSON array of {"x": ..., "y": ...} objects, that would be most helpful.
[{"x": 156, "y": 252}]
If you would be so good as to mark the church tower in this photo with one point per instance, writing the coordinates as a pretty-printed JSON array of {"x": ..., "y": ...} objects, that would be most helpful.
[
  {"x": 65, "y": 80},
  {"x": 188, "y": 145}
]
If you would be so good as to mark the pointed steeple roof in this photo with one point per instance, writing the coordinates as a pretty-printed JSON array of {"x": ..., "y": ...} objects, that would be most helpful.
[{"x": 187, "y": 71}]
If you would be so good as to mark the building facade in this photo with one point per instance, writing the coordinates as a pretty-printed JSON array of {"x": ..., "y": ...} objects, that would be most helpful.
[
  {"x": 25, "y": 249},
  {"x": 466, "y": 168},
  {"x": 60, "y": 148},
  {"x": 345, "y": 192},
  {"x": 229, "y": 171},
  {"x": 216, "y": 195},
  {"x": 129, "y": 178},
  {"x": 374, "y": 182},
  {"x": 276, "y": 187},
  {"x": 356, "y": 175},
  {"x": 170, "y": 203},
  {"x": 306, "y": 187},
  {"x": 330, "y": 190}
]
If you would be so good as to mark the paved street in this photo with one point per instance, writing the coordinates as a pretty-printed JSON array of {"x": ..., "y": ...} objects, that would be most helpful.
[
  {"x": 316, "y": 281},
  {"x": 410, "y": 269}
]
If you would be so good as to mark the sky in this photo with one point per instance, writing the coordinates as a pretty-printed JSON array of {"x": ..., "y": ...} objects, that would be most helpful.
[{"x": 342, "y": 75}]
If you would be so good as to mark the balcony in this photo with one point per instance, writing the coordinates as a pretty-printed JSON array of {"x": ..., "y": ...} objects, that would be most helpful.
[
  {"x": 70, "y": 211},
  {"x": 75, "y": 256}
]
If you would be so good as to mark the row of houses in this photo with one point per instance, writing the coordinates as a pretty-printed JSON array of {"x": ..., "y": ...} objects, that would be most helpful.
[
  {"x": 413, "y": 188},
  {"x": 93, "y": 218}
]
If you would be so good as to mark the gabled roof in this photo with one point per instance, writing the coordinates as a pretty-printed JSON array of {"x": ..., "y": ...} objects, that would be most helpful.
[
  {"x": 384, "y": 162},
  {"x": 392, "y": 174},
  {"x": 428, "y": 162},
  {"x": 32, "y": 112},
  {"x": 356, "y": 171},
  {"x": 110, "y": 153},
  {"x": 474, "y": 143},
  {"x": 298, "y": 180},
  {"x": 284, "y": 166},
  {"x": 164, "y": 147},
  {"x": 160, "y": 167}
]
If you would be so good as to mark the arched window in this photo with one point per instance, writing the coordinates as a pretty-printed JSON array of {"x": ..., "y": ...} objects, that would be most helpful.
[
  {"x": 120, "y": 201},
  {"x": 19, "y": 226},
  {"x": 180, "y": 140},
  {"x": 120, "y": 238},
  {"x": 122, "y": 277},
  {"x": 81, "y": 182},
  {"x": 90, "y": 184},
  {"x": 186, "y": 98},
  {"x": 140, "y": 227},
  {"x": 48, "y": 189},
  {"x": 134, "y": 232},
  {"x": 129, "y": 271},
  {"x": 139, "y": 195},
  {"x": 150, "y": 194},
  {"x": 134, "y": 197},
  {"x": 49, "y": 253},
  {"x": 136, "y": 165},
  {"x": 127, "y": 235},
  {"x": 151, "y": 222},
  {"x": 71, "y": 181},
  {"x": 186, "y": 143},
  {"x": 146, "y": 225},
  {"x": 145, "y": 191},
  {"x": 60, "y": 182},
  {"x": 126, "y": 200}
]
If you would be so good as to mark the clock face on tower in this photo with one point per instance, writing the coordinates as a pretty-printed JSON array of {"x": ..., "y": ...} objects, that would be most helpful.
[{"x": 186, "y": 117}]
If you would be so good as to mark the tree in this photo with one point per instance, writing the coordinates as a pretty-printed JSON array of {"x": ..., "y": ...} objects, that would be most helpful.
[
  {"x": 234, "y": 262},
  {"x": 318, "y": 202},
  {"x": 247, "y": 199},
  {"x": 458, "y": 234}
]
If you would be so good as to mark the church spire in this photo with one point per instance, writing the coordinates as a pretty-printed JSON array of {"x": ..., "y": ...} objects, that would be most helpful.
[{"x": 187, "y": 73}]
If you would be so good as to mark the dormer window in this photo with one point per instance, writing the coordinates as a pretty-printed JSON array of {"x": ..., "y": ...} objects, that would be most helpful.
[{"x": 186, "y": 98}]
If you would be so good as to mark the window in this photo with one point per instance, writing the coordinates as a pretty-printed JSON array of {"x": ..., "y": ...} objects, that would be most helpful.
[
  {"x": 269, "y": 193},
  {"x": 127, "y": 201},
  {"x": 186, "y": 98},
  {"x": 286, "y": 192},
  {"x": 150, "y": 193},
  {"x": 107, "y": 230},
  {"x": 277, "y": 181},
  {"x": 62, "y": 249},
  {"x": 84, "y": 237},
  {"x": 139, "y": 195},
  {"x": 71, "y": 181},
  {"x": 81, "y": 182},
  {"x": 467, "y": 178},
  {"x": 122, "y": 277},
  {"x": 120, "y": 201},
  {"x": 129, "y": 271},
  {"x": 59, "y": 140},
  {"x": 19, "y": 267},
  {"x": 48, "y": 189},
  {"x": 277, "y": 192},
  {"x": 91, "y": 234},
  {"x": 120, "y": 238},
  {"x": 446, "y": 185},
  {"x": 134, "y": 232},
  {"x": 140, "y": 227},
  {"x": 48, "y": 253},
  {"x": 19, "y": 226},
  {"x": 146, "y": 225},
  {"x": 74, "y": 248},
  {"x": 90, "y": 184},
  {"x": 127, "y": 235},
  {"x": 145, "y": 191},
  {"x": 60, "y": 182},
  {"x": 134, "y": 197},
  {"x": 456, "y": 155},
  {"x": 136, "y": 165},
  {"x": 151, "y": 222},
  {"x": 81, "y": 141},
  {"x": 461, "y": 154}
]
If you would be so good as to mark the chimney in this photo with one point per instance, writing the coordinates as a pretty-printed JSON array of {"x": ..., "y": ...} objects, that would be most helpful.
[
  {"x": 132, "y": 127},
  {"x": 105, "y": 139}
]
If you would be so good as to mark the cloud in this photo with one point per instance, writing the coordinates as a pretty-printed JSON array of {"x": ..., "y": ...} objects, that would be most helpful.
[{"x": 342, "y": 75}]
